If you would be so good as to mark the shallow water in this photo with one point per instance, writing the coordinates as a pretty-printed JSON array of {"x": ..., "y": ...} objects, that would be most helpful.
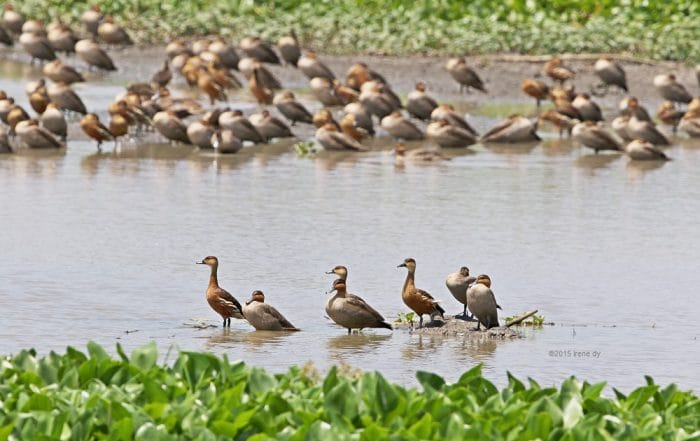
[{"x": 102, "y": 246}]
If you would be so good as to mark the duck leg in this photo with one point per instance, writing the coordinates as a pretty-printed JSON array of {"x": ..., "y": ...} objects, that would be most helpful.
[
  {"x": 349, "y": 331},
  {"x": 420, "y": 325}
]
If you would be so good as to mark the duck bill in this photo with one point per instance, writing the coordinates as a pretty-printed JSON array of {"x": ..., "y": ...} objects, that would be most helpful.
[
  {"x": 403, "y": 265},
  {"x": 330, "y": 272}
]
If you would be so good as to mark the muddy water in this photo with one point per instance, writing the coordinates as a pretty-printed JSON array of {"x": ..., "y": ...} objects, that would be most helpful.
[{"x": 102, "y": 245}]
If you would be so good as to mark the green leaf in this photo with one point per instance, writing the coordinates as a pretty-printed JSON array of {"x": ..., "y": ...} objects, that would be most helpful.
[
  {"x": 145, "y": 357},
  {"x": 640, "y": 396},
  {"x": 5, "y": 431},
  {"x": 96, "y": 351},
  {"x": 573, "y": 412},
  {"x": 260, "y": 381},
  {"x": 430, "y": 381},
  {"x": 342, "y": 400}
]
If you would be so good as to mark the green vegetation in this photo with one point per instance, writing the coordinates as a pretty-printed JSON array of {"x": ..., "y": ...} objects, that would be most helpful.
[
  {"x": 535, "y": 321},
  {"x": 655, "y": 29},
  {"x": 201, "y": 396},
  {"x": 405, "y": 318}
]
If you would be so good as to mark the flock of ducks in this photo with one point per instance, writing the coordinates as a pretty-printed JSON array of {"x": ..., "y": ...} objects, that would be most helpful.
[
  {"x": 366, "y": 99},
  {"x": 351, "y": 311}
]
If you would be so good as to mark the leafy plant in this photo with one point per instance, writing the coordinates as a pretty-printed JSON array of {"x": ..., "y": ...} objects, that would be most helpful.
[
  {"x": 92, "y": 395},
  {"x": 405, "y": 318},
  {"x": 535, "y": 321}
]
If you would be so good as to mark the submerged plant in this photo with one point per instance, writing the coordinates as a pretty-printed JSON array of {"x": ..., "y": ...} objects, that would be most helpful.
[{"x": 201, "y": 396}]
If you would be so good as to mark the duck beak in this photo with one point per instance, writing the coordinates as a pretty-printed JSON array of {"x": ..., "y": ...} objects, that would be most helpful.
[
  {"x": 330, "y": 272},
  {"x": 402, "y": 265},
  {"x": 200, "y": 263},
  {"x": 331, "y": 291}
]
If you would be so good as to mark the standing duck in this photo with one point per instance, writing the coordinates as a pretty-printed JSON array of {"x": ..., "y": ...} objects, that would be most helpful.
[
  {"x": 351, "y": 311},
  {"x": 254, "y": 47},
  {"x": 560, "y": 121},
  {"x": 200, "y": 133},
  {"x": 37, "y": 45},
  {"x": 641, "y": 150},
  {"x": 589, "y": 110},
  {"x": 670, "y": 89},
  {"x": 292, "y": 109},
  {"x": 593, "y": 136},
  {"x": 66, "y": 98},
  {"x": 62, "y": 73},
  {"x": 362, "y": 117},
  {"x": 669, "y": 115},
  {"x": 324, "y": 91},
  {"x": 112, "y": 33},
  {"x": 226, "y": 53},
  {"x": 373, "y": 98},
  {"x": 62, "y": 38},
  {"x": 458, "y": 282},
  {"x": 555, "y": 69},
  {"x": 401, "y": 128},
  {"x": 12, "y": 20},
  {"x": 92, "y": 19},
  {"x": 536, "y": 89},
  {"x": 171, "y": 127},
  {"x": 163, "y": 76},
  {"x": 218, "y": 298},
  {"x": 310, "y": 66},
  {"x": 515, "y": 128},
  {"x": 261, "y": 93},
  {"x": 289, "y": 48},
  {"x": 263, "y": 316},
  {"x": 91, "y": 53},
  {"x": 419, "y": 104},
  {"x": 464, "y": 75},
  {"x": 93, "y": 128},
  {"x": 482, "y": 302},
  {"x": 421, "y": 302},
  {"x": 610, "y": 73}
]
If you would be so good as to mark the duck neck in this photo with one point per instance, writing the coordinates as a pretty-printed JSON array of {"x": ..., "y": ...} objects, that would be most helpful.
[
  {"x": 341, "y": 292},
  {"x": 410, "y": 281},
  {"x": 213, "y": 280}
]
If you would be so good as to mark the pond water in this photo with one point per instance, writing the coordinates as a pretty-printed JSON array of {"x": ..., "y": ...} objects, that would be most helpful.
[{"x": 102, "y": 246}]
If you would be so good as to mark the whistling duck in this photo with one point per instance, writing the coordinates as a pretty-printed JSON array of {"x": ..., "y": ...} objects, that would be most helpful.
[
  {"x": 419, "y": 155},
  {"x": 263, "y": 316},
  {"x": 224, "y": 141},
  {"x": 401, "y": 128},
  {"x": 641, "y": 150},
  {"x": 331, "y": 139},
  {"x": 93, "y": 128},
  {"x": 593, "y": 136},
  {"x": 289, "y": 48},
  {"x": 458, "y": 282},
  {"x": 515, "y": 128},
  {"x": 419, "y": 104},
  {"x": 420, "y": 301},
  {"x": 464, "y": 75},
  {"x": 482, "y": 302},
  {"x": 219, "y": 299},
  {"x": 54, "y": 121},
  {"x": 536, "y": 89},
  {"x": 112, "y": 33},
  {"x": 270, "y": 126},
  {"x": 91, "y": 53},
  {"x": 610, "y": 73},
  {"x": 670, "y": 89},
  {"x": 254, "y": 47},
  {"x": 351, "y": 311},
  {"x": 62, "y": 73},
  {"x": 447, "y": 135},
  {"x": 292, "y": 109},
  {"x": 310, "y": 66},
  {"x": 35, "y": 137},
  {"x": 555, "y": 69},
  {"x": 646, "y": 130}
]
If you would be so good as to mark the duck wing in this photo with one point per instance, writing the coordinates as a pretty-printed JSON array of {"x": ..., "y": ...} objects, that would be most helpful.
[
  {"x": 274, "y": 313},
  {"x": 358, "y": 304},
  {"x": 427, "y": 295},
  {"x": 231, "y": 301}
]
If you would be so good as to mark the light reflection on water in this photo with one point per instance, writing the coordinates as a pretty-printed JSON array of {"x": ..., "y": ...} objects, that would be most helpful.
[{"x": 99, "y": 243}]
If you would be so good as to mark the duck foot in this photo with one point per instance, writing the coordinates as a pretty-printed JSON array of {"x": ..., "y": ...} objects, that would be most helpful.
[{"x": 465, "y": 317}]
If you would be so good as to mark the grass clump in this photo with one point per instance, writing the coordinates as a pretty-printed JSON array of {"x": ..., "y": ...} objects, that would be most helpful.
[
  {"x": 660, "y": 30},
  {"x": 201, "y": 396}
]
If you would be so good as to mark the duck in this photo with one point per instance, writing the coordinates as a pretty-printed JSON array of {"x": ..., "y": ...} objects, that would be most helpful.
[
  {"x": 646, "y": 130},
  {"x": 669, "y": 115},
  {"x": 66, "y": 98},
  {"x": 54, "y": 121},
  {"x": 359, "y": 73},
  {"x": 289, "y": 48},
  {"x": 420, "y": 301},
  {"x": 62, "y": 38},
  {"x": 270, "y": 126},
  {"x": 401, "y": 128},
  {"x": 670, "y": 89},
  {"x": 447, "y": 135},
  {"x": 118, "y": 125},
  {"x": 593, "y": 136},
  {"x": 261, "y": 93},
  {"x": 448, "y": 113},
  {"x": 39, "y": 99},
  {"x": 690, "y": 123},
  {"x": 254, "y": 47},
  {"x": 37, "y": 46},
  {"x": 92, "y": 18},
  {"x": 362, "y": 117},
  {"x": 59, "y": 72},
  {"x": 331, "y": 139},
  {"x": 419, "y": 155},
  {"x": 351, "y": 311},
  {"x": 619, "y": 126},
  {"x": 457, "y": 283},
  {"x": 560, "y": 121},
  {"x": 515, "y": 128},
  {"x": 312, "y": 67},
  {"x": 241, "y": 127},
  {"x": 419, "y": 104},
  {"x": 171, "y": 127},
  {"x": 16, "y": 115},
  {"x": 536, "y": 89},
  {"x": 482, "y": 302},
  {"x": 35, "y": 137},
  {"x": 12, "y": 20},
  {"x": 112, "y": 33},
  {"x": 323, "y": 117},
  {"x": 91, "y": 125},
  {"x": 566, "y": 108},
  {"x": 225, "y": 141},
  {"x": 292, "y": 109},
  {"x": 641, "y": 150},
  {"x": 373, "y": 98},
  {"x": 346, "y": 94},
  {"x": 587, "y": 108},
  {"x": 263, "y": 316},
  {"x": 6, "y": 39},
  {"x": 464, "y": 75},
  {"x": 91, "y": 53},
  {"x": 218, "y": 298},
  {"x": 226, "y": 54},
  {"x": 200, "y": 133},
  {"x": 207, "y": 84},
  {"x": 555, "y": 69},
  {"x": 610, "y": 73},
  {"x": 340, "y": 271},
  {"x": 163, "y": 76},
  {"x": 35, "y": 26},
  {"x": 324, "y": 91}
]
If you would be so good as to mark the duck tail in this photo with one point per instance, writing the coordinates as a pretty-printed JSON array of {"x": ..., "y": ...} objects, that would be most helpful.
[
  {"x": 440, "y": 310},
  {"x": 385, "y": 325}
]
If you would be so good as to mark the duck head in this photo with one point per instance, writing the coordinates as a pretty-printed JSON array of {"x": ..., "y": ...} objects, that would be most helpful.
[
  {"x": 209, "y": 260},
  {"x": 338, "y": 285},
  {"x": 484, "y": 280},
  {"x": 339, "y": 270},
  {"x": 464, "y": 271},
  {"x": 409, "y": 264},
  {"x": 257, "y": 296}
]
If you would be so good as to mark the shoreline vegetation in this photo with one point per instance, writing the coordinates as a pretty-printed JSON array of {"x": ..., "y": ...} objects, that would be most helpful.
[
  {"x": 653, "y": 30},
  {"x": 92, "y": 395}
]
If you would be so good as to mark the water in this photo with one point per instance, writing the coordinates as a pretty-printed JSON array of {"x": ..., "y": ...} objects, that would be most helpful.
[{"x": 102, "y": 246}]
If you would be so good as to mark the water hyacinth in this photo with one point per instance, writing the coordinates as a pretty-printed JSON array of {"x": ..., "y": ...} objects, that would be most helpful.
[
  {"x": 660, "y": 30},
  {"x": 91, "y": 395}
]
